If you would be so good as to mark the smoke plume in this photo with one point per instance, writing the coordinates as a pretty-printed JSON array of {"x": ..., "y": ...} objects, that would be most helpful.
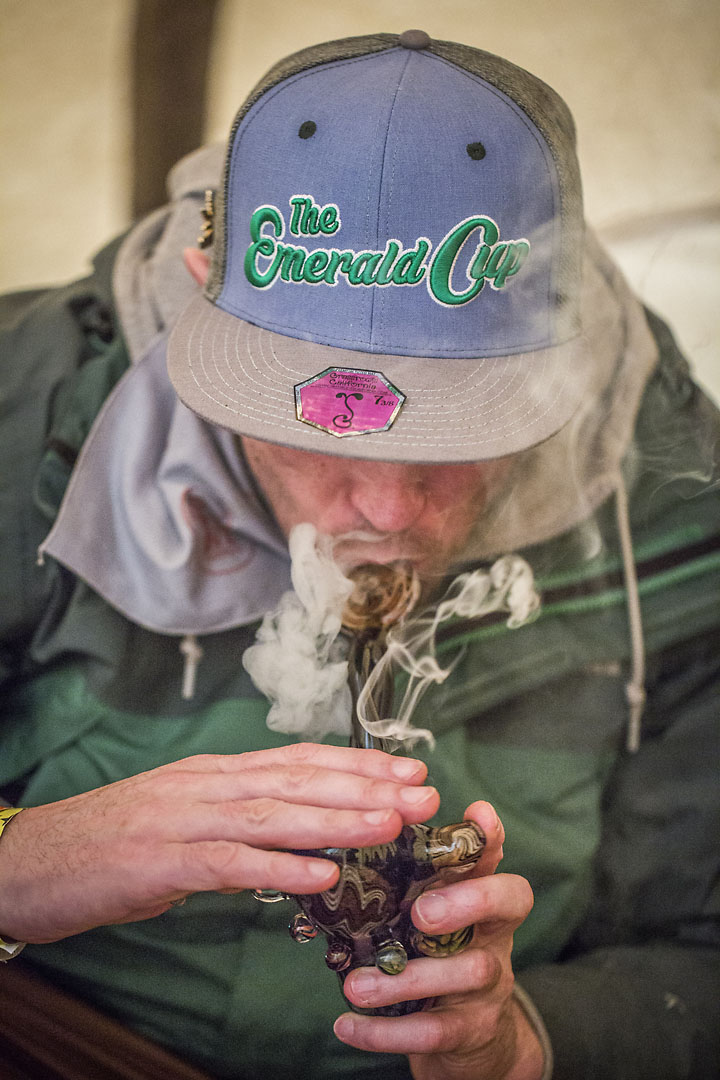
[{"x": 299, "y": 658}]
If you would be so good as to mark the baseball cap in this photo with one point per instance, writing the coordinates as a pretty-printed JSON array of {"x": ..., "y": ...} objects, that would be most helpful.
[{"x": 398, "y": 266}]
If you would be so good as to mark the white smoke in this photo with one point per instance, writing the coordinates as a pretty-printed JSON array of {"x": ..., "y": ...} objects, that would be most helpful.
[
  {"x": 296, "y": 660},
  {"x": 507, "y": 586},
  {"x": 300, "y": 665}
]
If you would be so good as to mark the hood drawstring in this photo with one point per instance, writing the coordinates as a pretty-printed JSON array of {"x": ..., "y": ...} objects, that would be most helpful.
[
  {"x": 193, "y": 653},
  {"x": 635, "y": 689}
]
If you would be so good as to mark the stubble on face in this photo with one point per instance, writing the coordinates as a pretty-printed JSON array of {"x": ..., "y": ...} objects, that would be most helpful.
[{"x": 377, "y": 511}]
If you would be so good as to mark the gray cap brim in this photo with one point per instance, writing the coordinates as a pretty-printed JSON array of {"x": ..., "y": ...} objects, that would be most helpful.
[{"x": 242, "y": 377}]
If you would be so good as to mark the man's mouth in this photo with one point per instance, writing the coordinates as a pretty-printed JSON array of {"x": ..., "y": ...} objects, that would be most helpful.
[
  {"x": 354, "y": 549},
  {"x": 358, "y": 549}
]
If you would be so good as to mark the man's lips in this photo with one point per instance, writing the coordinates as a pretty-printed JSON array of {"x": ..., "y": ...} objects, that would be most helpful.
[{"x": 351, "y": 553}]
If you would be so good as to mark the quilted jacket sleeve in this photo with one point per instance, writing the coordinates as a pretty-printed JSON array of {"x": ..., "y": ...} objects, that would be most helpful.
[{"x": 59, "y": 357}]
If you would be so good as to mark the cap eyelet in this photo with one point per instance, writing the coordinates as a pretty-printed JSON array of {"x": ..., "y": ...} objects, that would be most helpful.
[
  {"x": 476, "y": 151},
  {"x": 307, "y": 129}
]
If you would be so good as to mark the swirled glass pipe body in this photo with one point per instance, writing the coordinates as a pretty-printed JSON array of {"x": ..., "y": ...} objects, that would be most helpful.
[{"x": 366, "y": 916}]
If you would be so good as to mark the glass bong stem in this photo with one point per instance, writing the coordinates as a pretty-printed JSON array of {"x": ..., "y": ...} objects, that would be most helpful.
[{"x": 382, "y": 596}]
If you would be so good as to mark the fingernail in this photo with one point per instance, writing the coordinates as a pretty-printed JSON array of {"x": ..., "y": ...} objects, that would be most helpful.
[
  {"x": 364, "y": 980},
  {"x": 432, "y": 907},
  {"x": 319, "y": 869},
  {"x": 344, "y": 1026},
  {"x": 404, "y": 768},
  {"x": 415, "y": 795},
  {"x": 378, "y": 817},
  {"x": 363, "y": 983}
]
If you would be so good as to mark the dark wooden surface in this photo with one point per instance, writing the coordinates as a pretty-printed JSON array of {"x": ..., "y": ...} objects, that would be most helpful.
[{"x": 48, "y": 1034}]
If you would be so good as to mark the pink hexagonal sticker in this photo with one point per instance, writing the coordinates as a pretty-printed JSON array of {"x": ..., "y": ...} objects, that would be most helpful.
[{"x": 348, "y": 401}]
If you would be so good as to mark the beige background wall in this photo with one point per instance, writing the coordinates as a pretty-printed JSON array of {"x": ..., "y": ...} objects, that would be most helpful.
[{"x": 641, "y": 79}]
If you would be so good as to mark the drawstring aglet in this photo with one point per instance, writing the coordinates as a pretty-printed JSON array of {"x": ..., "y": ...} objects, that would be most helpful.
[
  {"x": 636, "y": 697},
  {"x": 193, "y": 653}
]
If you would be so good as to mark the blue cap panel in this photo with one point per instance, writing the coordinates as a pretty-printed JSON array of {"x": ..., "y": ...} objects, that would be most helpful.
[{"x": 461, "y": 249}]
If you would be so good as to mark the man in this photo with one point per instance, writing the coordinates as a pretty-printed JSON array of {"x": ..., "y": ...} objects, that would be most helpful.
[{"x": 405, "y": 337}]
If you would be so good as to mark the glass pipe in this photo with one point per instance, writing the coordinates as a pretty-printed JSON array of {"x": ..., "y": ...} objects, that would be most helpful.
[{"x": 366, "y": 917}]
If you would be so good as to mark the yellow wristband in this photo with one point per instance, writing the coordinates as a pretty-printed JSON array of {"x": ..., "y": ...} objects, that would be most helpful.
[{"x": 7, "y": 813}]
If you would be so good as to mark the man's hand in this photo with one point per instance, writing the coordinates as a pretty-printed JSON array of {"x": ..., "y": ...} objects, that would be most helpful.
[
  {"x": 475, "y": 1030},
  {"x": 127, "y": 851}
]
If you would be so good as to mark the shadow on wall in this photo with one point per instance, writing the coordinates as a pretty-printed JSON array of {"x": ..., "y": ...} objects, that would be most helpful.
[
  {"x": 672, "y": 263},
  {"x": 170, "y": 52}
]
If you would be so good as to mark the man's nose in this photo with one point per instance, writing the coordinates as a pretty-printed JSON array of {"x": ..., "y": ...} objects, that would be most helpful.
[{"x": 391, "y": 498}]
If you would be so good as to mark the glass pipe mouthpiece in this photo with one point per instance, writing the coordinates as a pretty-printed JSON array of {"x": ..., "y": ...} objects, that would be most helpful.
[{"x": 383, "y": 595}]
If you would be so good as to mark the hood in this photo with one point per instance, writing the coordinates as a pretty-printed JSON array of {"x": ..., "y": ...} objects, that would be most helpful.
[{"x": 161, "y": 517}]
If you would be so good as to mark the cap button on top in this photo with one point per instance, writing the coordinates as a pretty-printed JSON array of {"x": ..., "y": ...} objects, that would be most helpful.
[{"x": 414, "y": 39}]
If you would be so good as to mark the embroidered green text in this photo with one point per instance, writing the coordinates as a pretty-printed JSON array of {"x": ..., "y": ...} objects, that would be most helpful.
[{"x": 473, "y": 244}]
